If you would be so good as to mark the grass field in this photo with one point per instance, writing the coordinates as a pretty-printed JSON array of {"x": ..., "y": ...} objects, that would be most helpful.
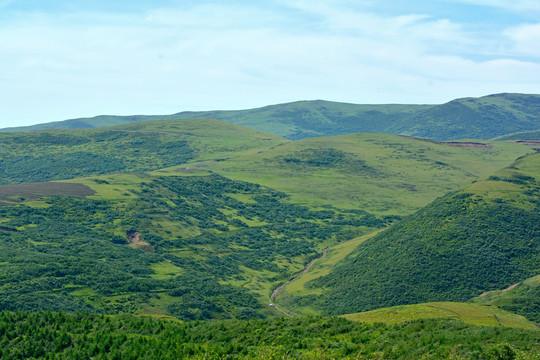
[
  {"x": 382, "y": 174},
  {"x": 474, "y": 314},
  {"x": 321, "y": 267}
]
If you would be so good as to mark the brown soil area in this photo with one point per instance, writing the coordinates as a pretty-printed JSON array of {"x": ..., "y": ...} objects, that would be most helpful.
[
  {"x": 464, "y": 144},
  {"x": 11, "y": 194}
]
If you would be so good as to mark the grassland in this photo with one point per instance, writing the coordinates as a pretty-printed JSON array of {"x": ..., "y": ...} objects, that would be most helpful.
[
  {"x": 275, "y": 205},
  {"x": 382, "y": 174},
  {"x": 240, "y": 210},
  {"x": 241, "y": 238},
  {"x": 522, "y": 298},
  {"x": 320, "y": 267},
  {"x": 474, "y": 314}
]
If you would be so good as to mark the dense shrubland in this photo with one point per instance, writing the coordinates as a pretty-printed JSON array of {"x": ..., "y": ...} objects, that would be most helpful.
[{"x": 58, "y": 335}]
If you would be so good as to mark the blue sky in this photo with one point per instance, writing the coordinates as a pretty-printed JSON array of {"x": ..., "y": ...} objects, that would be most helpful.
[{"x": 78, "y": 58}]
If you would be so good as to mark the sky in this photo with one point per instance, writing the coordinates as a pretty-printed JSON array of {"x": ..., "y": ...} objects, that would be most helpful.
[{"x": 63, "y": 59}]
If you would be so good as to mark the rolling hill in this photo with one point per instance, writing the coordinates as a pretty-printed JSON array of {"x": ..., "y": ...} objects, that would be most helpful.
[
  {"x": 481, "y": 118},
  {"x": 474, "y": 314},
  {"x": 214, "y": 233},
  {"x": 65, "y": 154},
  {"x": 380, "y": 173},
  {"x": 481, "y": 238}
]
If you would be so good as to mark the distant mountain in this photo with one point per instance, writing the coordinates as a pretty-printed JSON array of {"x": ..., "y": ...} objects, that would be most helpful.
[
  {"x": 482, "y": 238},
  {"x": 522, "y": 135},
  {"x": 481, "y": 118}
]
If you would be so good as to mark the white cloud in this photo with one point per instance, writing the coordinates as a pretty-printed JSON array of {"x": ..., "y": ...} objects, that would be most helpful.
[
  {"x": 218, "y": 56},
  {"x": 513, "y": 5},
  {"x": 525, "y": 39}
]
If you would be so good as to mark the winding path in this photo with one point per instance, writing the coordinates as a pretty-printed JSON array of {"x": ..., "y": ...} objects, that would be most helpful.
[{"x": 280, "y": 288}]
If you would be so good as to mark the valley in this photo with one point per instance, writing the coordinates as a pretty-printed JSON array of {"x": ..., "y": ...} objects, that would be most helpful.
[{"x": 207, "y": 225}]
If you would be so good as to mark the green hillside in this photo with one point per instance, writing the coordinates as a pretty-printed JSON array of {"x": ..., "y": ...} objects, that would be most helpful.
[
  {"x": 475, "y": 118},
  {"x": 193, "y": 247},
  {"x": 474, "y": 314},
  {"x": 524, "y": 135},
  {"x": 291, "y": 120},
  {"x": 522, "y": 298},
  {"x": 482, "y": 238},
  {"x": 65, "y": 154},
  {"x": 472, "y": 118},
  {"x": 379, "y": 173},
  {"x": 45, "y": 335}
]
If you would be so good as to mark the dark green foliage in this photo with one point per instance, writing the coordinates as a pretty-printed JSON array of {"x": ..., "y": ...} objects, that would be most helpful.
[
  {"x": 306, "y": 160},
  {"x": 454, "y": 249},
  {"x": 58, "y": 335},
  {"x": 36, "y": 157},
  {"x": 70, "y": 246},
  {"x": 53, "y": 253}
]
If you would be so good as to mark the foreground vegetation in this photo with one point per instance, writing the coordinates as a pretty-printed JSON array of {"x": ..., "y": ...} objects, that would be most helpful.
[{"x": 57, "y": 335}]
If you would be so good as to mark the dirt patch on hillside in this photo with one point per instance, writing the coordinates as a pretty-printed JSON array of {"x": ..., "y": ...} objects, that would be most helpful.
[
  {"x": 529, "y": 142},
  {"x": 12, "y": 194},
  {"x": 467, "y": 144},
  {"x": 464, "y": 144},
  {"x": 136, "y": 241}
]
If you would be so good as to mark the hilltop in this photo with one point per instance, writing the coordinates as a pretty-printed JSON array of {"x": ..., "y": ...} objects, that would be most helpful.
[
  {"x": 64, "y": 154},
  {"x": 480, "y": 118}
]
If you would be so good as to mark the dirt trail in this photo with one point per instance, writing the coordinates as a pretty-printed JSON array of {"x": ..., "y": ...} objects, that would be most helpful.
[{"x": 306, "y": 269}]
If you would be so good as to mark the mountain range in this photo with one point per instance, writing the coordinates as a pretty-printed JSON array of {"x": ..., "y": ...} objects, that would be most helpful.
[{"x": 467, "y": 118}]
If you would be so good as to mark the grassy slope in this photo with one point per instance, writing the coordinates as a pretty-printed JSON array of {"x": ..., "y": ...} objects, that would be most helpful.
[
  {"x": 54, "y": 155},
  {"x": 483, "y": 118},
  {"x": 522, "y": 135},
  {"x": 474, "y": 314},
  {"x": 522, "y": 298},
  {"x": 382, "y": 174},
  {"x": 479, "y": 239}
]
